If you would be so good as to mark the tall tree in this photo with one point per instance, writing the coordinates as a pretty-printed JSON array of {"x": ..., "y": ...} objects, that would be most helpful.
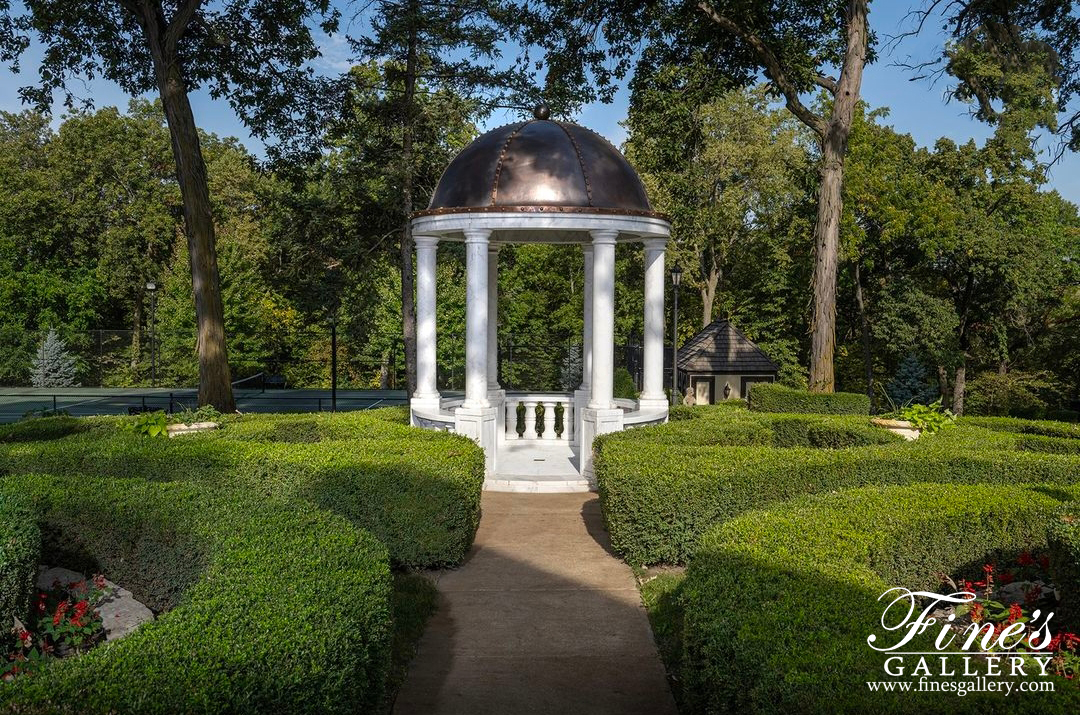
[
  {"x": 795, "y": 44},
  {"x": 432, "y": 45},
  {"x": 251, "y": 52}
]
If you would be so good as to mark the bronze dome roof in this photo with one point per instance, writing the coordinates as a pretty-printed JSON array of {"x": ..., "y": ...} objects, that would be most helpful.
[{"x": 540, "y": 165}]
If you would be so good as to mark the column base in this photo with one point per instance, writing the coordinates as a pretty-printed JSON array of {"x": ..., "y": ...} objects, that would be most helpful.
[
  {"x": 653, "y": 403},
  {"x": 479, "y": 424},
  {"x": 596, "y": 422},
  {"x": 424, "y": 403}
]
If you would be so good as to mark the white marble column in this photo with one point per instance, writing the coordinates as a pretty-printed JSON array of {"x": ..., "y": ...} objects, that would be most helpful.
[
  {"x": 652, "y": 388},
  {"x": 427, "y": 393},
  {"x": 476, "y": 317},
  {"x": 603, "y": 320},
  {"x": 601, "y": 416},
  {"x": 493, "y": 318},
  {"x": 476, "y": 418},
  {"x": 587, "y": 326}
]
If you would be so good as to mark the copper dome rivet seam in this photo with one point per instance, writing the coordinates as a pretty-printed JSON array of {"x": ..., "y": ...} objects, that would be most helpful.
[
  {"x": 580, "y": 160},
  {"x": 502, "y": 157}
]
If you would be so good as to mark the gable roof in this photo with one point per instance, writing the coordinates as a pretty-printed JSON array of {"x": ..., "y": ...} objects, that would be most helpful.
[{"x": 721, "y": 347}]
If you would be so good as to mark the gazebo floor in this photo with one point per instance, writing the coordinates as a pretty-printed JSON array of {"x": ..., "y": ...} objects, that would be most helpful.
[{"x": 537, "y": 466}]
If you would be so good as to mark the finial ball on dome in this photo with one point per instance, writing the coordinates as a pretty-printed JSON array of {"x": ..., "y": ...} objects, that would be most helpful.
[{"x": 542, "y": 111}]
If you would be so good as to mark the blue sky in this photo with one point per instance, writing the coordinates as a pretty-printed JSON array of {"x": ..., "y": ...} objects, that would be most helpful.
[{"x": 916, "y": 107}]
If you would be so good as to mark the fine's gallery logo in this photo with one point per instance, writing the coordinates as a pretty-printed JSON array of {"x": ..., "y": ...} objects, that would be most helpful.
[{"x": 968, "y": 651}]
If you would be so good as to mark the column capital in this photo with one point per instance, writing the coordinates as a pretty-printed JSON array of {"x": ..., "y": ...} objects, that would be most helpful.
[
  {"x": 604, "y": 236},
  {"x": 425, "y": 241},
  {"x": 477, "y": 235},
  {"x": 655, "y": 244}
]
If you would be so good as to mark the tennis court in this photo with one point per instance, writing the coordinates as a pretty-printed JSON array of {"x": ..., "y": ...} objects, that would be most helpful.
[{"x": 15, "y": 402}]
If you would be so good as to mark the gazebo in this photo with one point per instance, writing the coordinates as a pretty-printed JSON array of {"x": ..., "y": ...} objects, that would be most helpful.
[{"x": 539, "y": 181}]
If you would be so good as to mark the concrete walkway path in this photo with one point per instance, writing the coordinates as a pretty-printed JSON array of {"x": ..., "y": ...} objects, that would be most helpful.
[{"x": 541, "y": 618}]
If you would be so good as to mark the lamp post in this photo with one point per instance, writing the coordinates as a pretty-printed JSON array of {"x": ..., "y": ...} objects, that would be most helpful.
[
  {"x": 151, "y": 287},
  {"x": 676, "y": 279}
]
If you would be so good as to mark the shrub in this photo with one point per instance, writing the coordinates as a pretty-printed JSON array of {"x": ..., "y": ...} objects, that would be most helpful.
[
  {"x": 1063, "y": 415},
  {"x": 1019, "y": 426},
  {"x": 779, "y": 603},
  {"x": 773, "y": 397},
  {"x": 1048, "y": 445},
  {"x": 624, "y": 384},
  {"x": 1065, "y": 556},
  {"x": 20, "y": 542},
  {"x": 274, "y": 607},
  {"x": 659, "y": 498},
  {"x": 416, "y": 490}
]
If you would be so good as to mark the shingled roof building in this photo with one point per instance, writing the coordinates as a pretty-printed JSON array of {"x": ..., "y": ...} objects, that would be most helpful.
[{"x": 721, "y": 363}]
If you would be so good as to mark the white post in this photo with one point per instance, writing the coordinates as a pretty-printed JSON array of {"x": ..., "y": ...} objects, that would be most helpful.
[
  {"x": 581, "y": 394},
  {"x": 652, "y": 388},
  {"x": 427, "y": 393},
  {"x": 587, "y": 327},
  {"x": 476, "y": 418},
  {"x": 603, "y": 320},
  {"x": 476, "y": 317},
  {"x": 601, "y": 416},
  {"x": 493, "y": 318}
]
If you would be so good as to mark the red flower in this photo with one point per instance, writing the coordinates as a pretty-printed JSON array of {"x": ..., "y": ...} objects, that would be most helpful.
[
  {"x": 25, "y": 639},
  {"x": 988, "y": 569},
  {"x": 1071, "y": 640},
  {"x": 81, "y": 608},
  {"x": 99, "y": 582},
  {"x": 1044, "y": 562},
  {"x": 1026, "y": 559},
  {"x": 60, "y": 611},
  {"x": 1055, "y": 643},
  {"x": 1015, "y": 613},
  {"x": 1006, "y": 577},
  {"x": 1033, "y": 594},
  {"x": 977, "y": 612}
]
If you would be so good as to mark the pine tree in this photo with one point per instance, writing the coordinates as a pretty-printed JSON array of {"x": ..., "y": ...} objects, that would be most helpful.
[
  {"x": 910, "y": 384},
  {"x": 54, "y": 366}
]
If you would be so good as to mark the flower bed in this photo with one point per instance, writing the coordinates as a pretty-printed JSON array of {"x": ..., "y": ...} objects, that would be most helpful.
[
  {"x": 269, "y": 607},
  {"x": 779, "y": 603},
  {"x": 417, "y": 490}
]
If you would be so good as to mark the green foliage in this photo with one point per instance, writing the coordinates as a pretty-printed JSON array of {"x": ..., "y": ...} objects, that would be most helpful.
[
  {"x": 148, "y": 424},
  {"x": 1064, "y": 545},
  {"x": 206, "y": 413},
  {"x": 817, "y": 566},
  {"x": 1048, "y": 445},
  {"x": 910, "y": 384},
  {"x": 773, "y": 397},
  {"x": 53, "y": 365},
  {"x": 1013, "y": 394},
  {"x": 624, "y": 384},
  {"x": 418, "y": 491},
  {"x": 267, "y": 606},
  {"x": 928, "y": 418},
  {"x": 20, "y": 544},
  {"x": 662, "y": 487},
  {"x": 1012, "y": 424}
]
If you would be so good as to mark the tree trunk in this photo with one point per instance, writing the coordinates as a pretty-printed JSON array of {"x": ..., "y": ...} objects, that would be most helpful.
[
  {"x": 215, "y": 387},
  {"x": 958, "y": 388},
  {"x": 827, "y": 227},
  {"x": 708, "y": 296},
  {"x": 864, "y": 320},
  {"x": 408, "y": 300},
  {"x": 943, "y": 385}
]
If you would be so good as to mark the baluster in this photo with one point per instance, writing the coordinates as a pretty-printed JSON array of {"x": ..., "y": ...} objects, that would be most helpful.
[
  {"x": 530, "y": 419},
  {"x": 568, "y": 421},
  {"x": 549, "y": 421},
  {"x": 510, "y": 410}
]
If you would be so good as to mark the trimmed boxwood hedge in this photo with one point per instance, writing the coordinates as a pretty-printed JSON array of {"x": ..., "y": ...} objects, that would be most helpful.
[
  {"x": 1065, "y": 556},
  {"x": 773, "y": 397},
  {"x": 19, "y": 545},
  {"x": 731, "y": 426},
  {"x": 779, "y": 603},
  {"x": 659, "y": 498},
  {"x": 274, "y": 607},
  {"x": 417, "y": 490},
  {"x": 1046, "y": 428}
]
